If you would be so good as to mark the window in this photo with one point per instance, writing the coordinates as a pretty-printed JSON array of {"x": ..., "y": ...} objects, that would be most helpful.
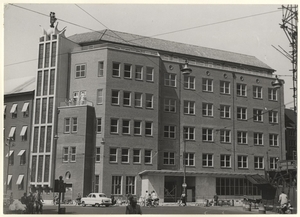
[
  {"x": 137, "y": 156},
  {"x": 257, "y": 92},
  {"x": 11, "y": 134},
  {"x": 99, "y": 96},
  {"x": 242, "y": 161},
  {"x": 126, "y": 127},
  {"x": 241, "y": 113},
  {"x": 115, "y": 94},
  {"x": 258, "y": 115},
  {"x": 225, "y": 111},
  {"x": 207, "y": 85},
  {"x": 25, "y": 110},
  {"x": 98, "y": 150},
  {"x": 207, "y": 135},
  {"x": 170, "y": 105},
  {"x": 258, "y": 139},
  {"x": 113, "y": 155},
  {"x": 23, "y": 133},
  {"x": 189, "y": 159},
  {"x": 126, "y": 98},
  {"x": 273, "y": 117},
  {"x": 207, "y": 109},
  {"x": 189, "y": 133},
  {"x": 20, "y": 182},
  {"x": 169, "y": 132},
  {"x": 169, "y": 158},
  {"x": 74, "y": 125},
  {"x": 125, "y": 155},
  {"x": 149, "y": 74},
  {"x": 149, "y": 100},
  {"x": 225, "y": 136},
  {"x": 273, "y": 163},
  {"x": 272, "y": 94},
  {"x": 189, "y": 82},
  {"x": 258, "y": 162},
  {"x": 241, "y": 89},
  {"x": 273, "y": 139},
  {"x": 65, "y": 154},
  {"x": 22, "y": 157},
  {"x": 67, "y": 125},
  {"x": 99, "y": 126},
  {"x": 138, "y": 100},
  {"x": 225, "y": 161},
  {"x": 189, "y": 107},
  {"x": 73, "y": 154},
  {"x": 207, "y": 160},
  {"x": 14, "y": 111},
  {"x": 116, "y": 185},
  {"x": 137, "y": 128},
  {"x": 170, "y": 80},
  {"x": 138, "y": 72},
  {"x": 100, "y": 68},
  {"x": 127, "y": 70},
  {"x": 80, "y": 71},
  {"x": 114, "y": 125},
  {"x": 148, "y": 128},
  {"x": 10, "y": 156},
  {"x": 224, "y": 87},
  {"x": 148, "y": 157},
  {"x": 97, "y": 179},
  {"x": 130, "y": 185},
  {"x": 116, "y": 70},
  {"x": 242, "y": 137}
]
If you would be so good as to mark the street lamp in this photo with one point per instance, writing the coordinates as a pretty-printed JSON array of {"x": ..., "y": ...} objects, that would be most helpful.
[
  {"x": 9, "y": 144},
  {"x": 185, "y": 70}
]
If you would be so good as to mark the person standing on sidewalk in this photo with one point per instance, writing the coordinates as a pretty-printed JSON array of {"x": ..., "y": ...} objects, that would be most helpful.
[
  {"x": 133, "y": 207},
  {"x": 183, "y": 198}
]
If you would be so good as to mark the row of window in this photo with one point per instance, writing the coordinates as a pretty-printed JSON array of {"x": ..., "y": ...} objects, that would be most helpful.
[
  {"x": 11, "y": 157},
  {"x": 117, "y": 185},
  {"x": 225, "y": 160},
  {"x": 235, "y": 186},
  {"x": 23, "y": 133},
  {"x": 19, "y": 182},
  {"x": 136, "y": 72},
  {"x": 14, "y": 110}
]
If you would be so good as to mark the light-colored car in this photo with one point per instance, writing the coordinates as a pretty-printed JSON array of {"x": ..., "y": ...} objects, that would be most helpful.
[{"x": 96, "y": 199}]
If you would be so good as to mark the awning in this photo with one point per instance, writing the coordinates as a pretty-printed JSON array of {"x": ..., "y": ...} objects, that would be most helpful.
[
  {"x": 10, "y": 152},
  {"x": 20, "y": 179},
  {"x": 257, "y": 179},
  {"x": 25, "y": 107},
  {"x": 9, "y": 179},
  {"x": 23, "y": 131},
  {"x": 21, "y": 152},
  {"x": 13, "y": 108},
  {"x": 12, "y": 132}
]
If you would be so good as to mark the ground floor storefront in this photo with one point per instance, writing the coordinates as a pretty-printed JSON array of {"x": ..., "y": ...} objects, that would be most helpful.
[{"x": 200, "y": 186}]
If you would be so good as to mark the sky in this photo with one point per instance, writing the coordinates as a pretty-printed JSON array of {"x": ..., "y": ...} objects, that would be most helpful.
[{"x": 249, "y": 29}]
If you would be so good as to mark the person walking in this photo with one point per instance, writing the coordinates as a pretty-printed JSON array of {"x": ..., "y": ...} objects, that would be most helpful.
[
  {"x": 183, "y": 198},
  {"x": 133, "y": 207},
  {"x": 147, "y": 199},
  {"x": 283, "y": 200}
]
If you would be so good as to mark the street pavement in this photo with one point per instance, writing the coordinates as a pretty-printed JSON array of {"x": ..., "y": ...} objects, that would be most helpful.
[{"x": 190, "y": 209}]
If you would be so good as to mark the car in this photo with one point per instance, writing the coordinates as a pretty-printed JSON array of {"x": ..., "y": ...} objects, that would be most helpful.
[{"x": 96, "y": 199}]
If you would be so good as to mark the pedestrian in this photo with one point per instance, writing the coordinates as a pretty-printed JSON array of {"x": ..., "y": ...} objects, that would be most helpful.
[
  {"x": 183, "y": 198},
  {"x": 24, "y": 199},
  {"x": 216, "y": 198},
  {"x": 11, "y": 198},
  {"x": 283, "y": 200},
  {"x": 133, "y": 207},
  {"x": 147, "y": 199}
]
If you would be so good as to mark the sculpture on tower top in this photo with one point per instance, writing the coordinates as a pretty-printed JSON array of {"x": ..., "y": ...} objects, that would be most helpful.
[{"x": 52, "y": 19}]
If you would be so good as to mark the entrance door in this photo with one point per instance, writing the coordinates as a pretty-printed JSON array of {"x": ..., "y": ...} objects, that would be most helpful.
[{"x": 170, "y": 192}]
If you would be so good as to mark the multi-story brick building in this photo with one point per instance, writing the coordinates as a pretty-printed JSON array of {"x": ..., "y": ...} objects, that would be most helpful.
[
  {"x": 121, "y": 117},
  {"x": 18, "y": 104}
]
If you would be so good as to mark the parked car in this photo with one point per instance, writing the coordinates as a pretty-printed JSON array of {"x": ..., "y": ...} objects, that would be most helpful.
[{"x": 96, "y": 199}]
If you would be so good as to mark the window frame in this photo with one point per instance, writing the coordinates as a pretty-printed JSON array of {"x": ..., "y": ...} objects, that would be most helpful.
[
  {"x": 207, "y": 134},
  {"x": 115, "y": 98},
  {"x": 149, "y": 73},
  {"x": 189, "y": 133},
  {"x": 169, "y": 131},
  {"x": 225, "y": 161},
  {"x": 242, "y": 137},
  {"x": 127, "y": 72},
  {"x": 206, "y": 161},
  {"x": 138, "y": 75},
  {"x": 207, "y": 109},
  {"x": 116, "y": 126},
  {"x": 259, "y": 163},
  {"x": 84, "y": 71},
  {"x": 125, "y": 156},
  {"x": 207, "y": 85},
  {"x": 170, "y": 105},
  {"x": 243, "y": 159},
  {"x": 116, "y": 71},
  {"x": 170, "y": 79},
  {"x": 113, "y": 155},
  {"x": 148, "y": 157},
  {"x": 189, "y": 82},
  {"x": 100, "y": 68},
  {"x": 189, "y": 107},
  {"x": 241, "y": 90},
  {"x": 169, "y": 158},
  {"x": 225, "y": 87}
]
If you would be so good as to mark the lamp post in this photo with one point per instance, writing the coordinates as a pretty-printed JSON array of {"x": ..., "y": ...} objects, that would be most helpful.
[
  {"x": 9, "y": 144},
  {"x": 185, "y": 70}
]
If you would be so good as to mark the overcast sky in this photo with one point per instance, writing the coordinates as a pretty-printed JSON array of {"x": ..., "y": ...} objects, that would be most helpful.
[{"x": 247, "y": 29}]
